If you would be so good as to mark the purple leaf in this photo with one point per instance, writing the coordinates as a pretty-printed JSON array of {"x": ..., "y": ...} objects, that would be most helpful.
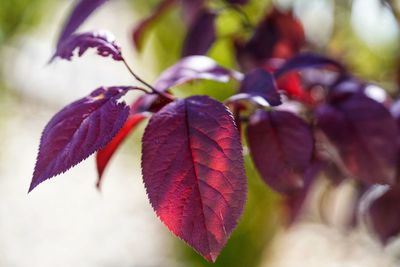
[
  {"x": 194, "y": 68},
  {"x": 259, "y": 82},
  {"x": 79, "y": 14},
  {"x": 190, "y": 10},
  {"x": 143, "y": 26},
  {"x": 279, "y": 35},
  {"x": 281, "y": 146},
  {"x": 78, "y": 130},
  {"x": 307, "y": 60},
  {"x": 193, "y": 172},
  {"x": 363, "y": 132},
  {"x": 384, "y": 215},
  {"x": 103, "y": 41},
  {"x": 238, "y": 2},
  {"x": 201, "y": 34}
]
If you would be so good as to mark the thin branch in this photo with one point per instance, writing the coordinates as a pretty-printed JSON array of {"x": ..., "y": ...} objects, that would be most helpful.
[{"x": 154, "y": 90}]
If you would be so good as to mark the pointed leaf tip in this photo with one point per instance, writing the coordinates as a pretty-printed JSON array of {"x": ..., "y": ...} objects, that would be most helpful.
[
  {"x": 193, "y": 172},
  {"x": 78, "y": 130}
]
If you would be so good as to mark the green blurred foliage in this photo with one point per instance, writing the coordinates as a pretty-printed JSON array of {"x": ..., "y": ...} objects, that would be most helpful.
[{"x": 19, "y": 16}]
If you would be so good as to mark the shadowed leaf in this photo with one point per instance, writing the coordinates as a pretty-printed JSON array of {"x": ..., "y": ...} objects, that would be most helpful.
[
  {"x": 363, "y": 131},
  {"x": 307, "y": 60},
  {"x": 281, "y": 146},
  {"x": 201, "y": 34},
  {"x": 78, "y": 130},
  {"x": 104, "y": 155},
  {"x": 259, "y": 82},
  {"x": 193, "y": 172}
]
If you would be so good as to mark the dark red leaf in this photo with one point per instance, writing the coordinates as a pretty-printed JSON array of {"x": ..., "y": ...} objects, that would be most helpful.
[
  {"x": 104, "y": 155},
  {"x": 294, "y": 202},
  {"x": 281, "y": 146},
  {"x": 143, "y": 26},
  {"x": 279, "y": 35},
  {"x": 194, "y": 68},
  {"x": 103, "y": 41},
  {"x": 201, "y": 34},
  {"x": 79, "y": 14},
  {"x": 259, "y": 82},
  {"x": 78, "y": 130},
  {"x": 307, "y": 60},
  {"x": 193, "y": 172},
  {"x": 384, "y": 215},
  {"x": 363, "y": 131}
]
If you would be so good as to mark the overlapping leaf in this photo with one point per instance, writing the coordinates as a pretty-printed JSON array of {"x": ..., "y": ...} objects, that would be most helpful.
[
  {"x": 201, "y": 34},
  {"x": 193, "y": 172},
  {"x": 104, "y": 155},
  {"x": 281, "y": 146},
  {"x": 79, "y": 14},
  {"x": 307, "y": 60},
  {"x": 103, "y": 41},
  {"x": 260, "y": 83},
  {"x": 78, "y": 130},
  {"x": 363, "y": 131}
]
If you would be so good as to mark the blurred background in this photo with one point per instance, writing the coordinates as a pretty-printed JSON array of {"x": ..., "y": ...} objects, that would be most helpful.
[{"x": 67, "y": 222}]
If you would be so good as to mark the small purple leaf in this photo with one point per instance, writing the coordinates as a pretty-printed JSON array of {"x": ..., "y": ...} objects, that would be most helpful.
[
  {"x": 79, "y": 14},
  {"x": 103, "y": 41},
  {"x": 201, "y": 34},
  {"x": 193, "y": 171},
  {"x": 79, "y": 130},
  {"x": 363, "y": 131},
  {"x": 307, "y": 60},
  {"x": 194, "y": 68},
  {"x": 259, "y": 82},
  {"x": 281, "y": 146}
]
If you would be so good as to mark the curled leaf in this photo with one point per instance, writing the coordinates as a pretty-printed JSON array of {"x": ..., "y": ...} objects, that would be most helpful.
[
  {"x": 194, "y": 68},
  {"x": 103, "y": 41},
  {"x": 307, "y": 60},
  {"x": 281, "y": 146},
  {"x": 78, "y": 130},
  {"x": 193, "y": 172}
]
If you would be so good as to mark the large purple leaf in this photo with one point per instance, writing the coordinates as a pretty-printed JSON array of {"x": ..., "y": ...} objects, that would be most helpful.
[
  {"x": 259, "y": 82},
  {"x": 363, "y": 131},
  {"x": 144, "y": 25},
  {"x": 194, "y": 68},
  {"x": 307, "y": 60},
  {"x": 193, "y": 172},
  {"x": 281, "y": 146},
  {"x": 384, "y": 215},
  {"x": 79, "y": 14},
  {"x": 201, "y": 34},
  {"x": 78, "y": 130},
  {"x": 103, "y": 41}
]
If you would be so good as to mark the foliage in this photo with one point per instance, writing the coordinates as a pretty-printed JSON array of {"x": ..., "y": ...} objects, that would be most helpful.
[{"x": 302, "y": 114}]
